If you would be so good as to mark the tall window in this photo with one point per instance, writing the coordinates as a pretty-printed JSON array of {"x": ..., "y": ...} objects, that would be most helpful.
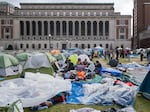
[
  {"x": 82, "y": 46},
  {"x": 52, "y": 27},
  {"x": 28, "y": 27},
  {"x": 107, "y": 28},
  {"x": 82, "y": 28},
  {"x": 76, "y": 28},
  {"x": 122, "y": 30},
  {"x": 76, "y": 45},
  {"x": 27, "y": 46},
  {"x": 57, "y": 28},
  {"x": 45, "y": 46},
  {"x": 39, "y": 46},
  {"x": 94, "y": 28},
  {"x": 7, "y": 30},
  {"x": 45, "y": 28},
  {"x": 88, "y": 28},
  {"x": 122, "y": 33},
  {"x": 70, "y": 28},
  {"x": 64, "y": 27},
  {"x": 39, "y": 28},
  {"x": 21, "y": 46},
  {"x": 101, "y": 28},
  {"x": 21, "y": 28},
  {"x": 33, "y": 28}
]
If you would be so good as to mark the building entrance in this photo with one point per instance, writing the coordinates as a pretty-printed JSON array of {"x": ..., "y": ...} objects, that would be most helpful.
[{"x": 64, "y": 46}]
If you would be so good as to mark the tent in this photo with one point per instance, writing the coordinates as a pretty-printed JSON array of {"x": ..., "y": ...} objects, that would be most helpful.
[
  {"x": 73, "y": 58},
  {"x": 55, "y": 52},
  {"x": 9, "y": 65},
  {"x": 99, "y": 49},
  {"x": 75, "y": 51},
  {"x": 145, "y": 86},
  {"x": 59, "y": 57},
  {"x": 83, "y": 57},
  {"x": 40, "y": 60},
  {"x": 22, "y": 57}
]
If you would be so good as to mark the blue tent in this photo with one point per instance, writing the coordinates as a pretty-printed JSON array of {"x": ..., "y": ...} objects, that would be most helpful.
[{"x": 145, "y": 86}]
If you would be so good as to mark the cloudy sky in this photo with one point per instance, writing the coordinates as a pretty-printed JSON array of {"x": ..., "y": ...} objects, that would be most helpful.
[{"x": 123, "y": 6}]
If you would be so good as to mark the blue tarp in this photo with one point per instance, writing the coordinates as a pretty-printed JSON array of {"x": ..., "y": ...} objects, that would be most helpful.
[
  {"x": 113, "y": 72},
  {"x": 76, "y": 91},
  {"x": 103, "y": 95}
]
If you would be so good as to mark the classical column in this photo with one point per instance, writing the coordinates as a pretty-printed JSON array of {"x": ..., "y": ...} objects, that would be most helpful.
[
  {"x": 67, "y": 28},
  {"x": 48, "y": 22},
  {"x": 79, "y": 28},
  {"x": 97, "y": 28},
  {"x": 36, "y": 22},
  {"x": 73, "y": 28},
  {"x": 61, "y": 29}
]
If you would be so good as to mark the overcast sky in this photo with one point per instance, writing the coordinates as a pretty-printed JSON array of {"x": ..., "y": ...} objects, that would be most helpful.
[{"x": 123, "y": 6}]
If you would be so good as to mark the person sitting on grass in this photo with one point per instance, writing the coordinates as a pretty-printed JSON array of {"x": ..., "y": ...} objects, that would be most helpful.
[{"x": 98, "y": 67}]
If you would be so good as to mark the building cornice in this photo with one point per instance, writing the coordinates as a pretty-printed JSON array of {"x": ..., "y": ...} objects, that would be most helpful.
[{"x": 66, "y": 3}]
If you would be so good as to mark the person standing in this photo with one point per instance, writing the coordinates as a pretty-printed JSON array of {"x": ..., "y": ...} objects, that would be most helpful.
[
  {"x": 117, "y": 53},
  {"x": 141, "y": 55}
]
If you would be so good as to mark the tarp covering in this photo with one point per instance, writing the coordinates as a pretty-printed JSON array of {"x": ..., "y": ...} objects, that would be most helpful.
[
  {"x": 33, "y": 90},
  {"x": 112, "y": 71},
  {"x": 102, "y": 94},
  {"x": 85, "y": 109}
]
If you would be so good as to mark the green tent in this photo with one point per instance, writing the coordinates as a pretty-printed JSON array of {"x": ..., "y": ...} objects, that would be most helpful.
[
  {"x": 9, "y": 65},
  {"x": 23, "y": 56},
  {"x": 59, "y": 57},
  {"x": 74, "y": 58},
  {"x": 7, "y": 60},
  {"x": 38, "y": 61},
  {"x": 51, "y": 58}
]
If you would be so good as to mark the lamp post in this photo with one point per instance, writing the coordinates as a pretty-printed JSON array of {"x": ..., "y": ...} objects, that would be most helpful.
[{"x": 49, "y": 41}]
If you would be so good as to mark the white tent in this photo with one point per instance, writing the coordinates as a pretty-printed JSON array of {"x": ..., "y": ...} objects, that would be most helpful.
[
  {"x": 83, "y": 57},
  {"x": 37, "y": 60}
]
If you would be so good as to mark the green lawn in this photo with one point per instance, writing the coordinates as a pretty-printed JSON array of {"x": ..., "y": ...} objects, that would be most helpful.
[{"x": 68, "y": 107}]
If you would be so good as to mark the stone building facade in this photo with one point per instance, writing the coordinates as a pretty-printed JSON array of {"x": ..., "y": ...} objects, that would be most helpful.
[{"x": 42, "y": 26}]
